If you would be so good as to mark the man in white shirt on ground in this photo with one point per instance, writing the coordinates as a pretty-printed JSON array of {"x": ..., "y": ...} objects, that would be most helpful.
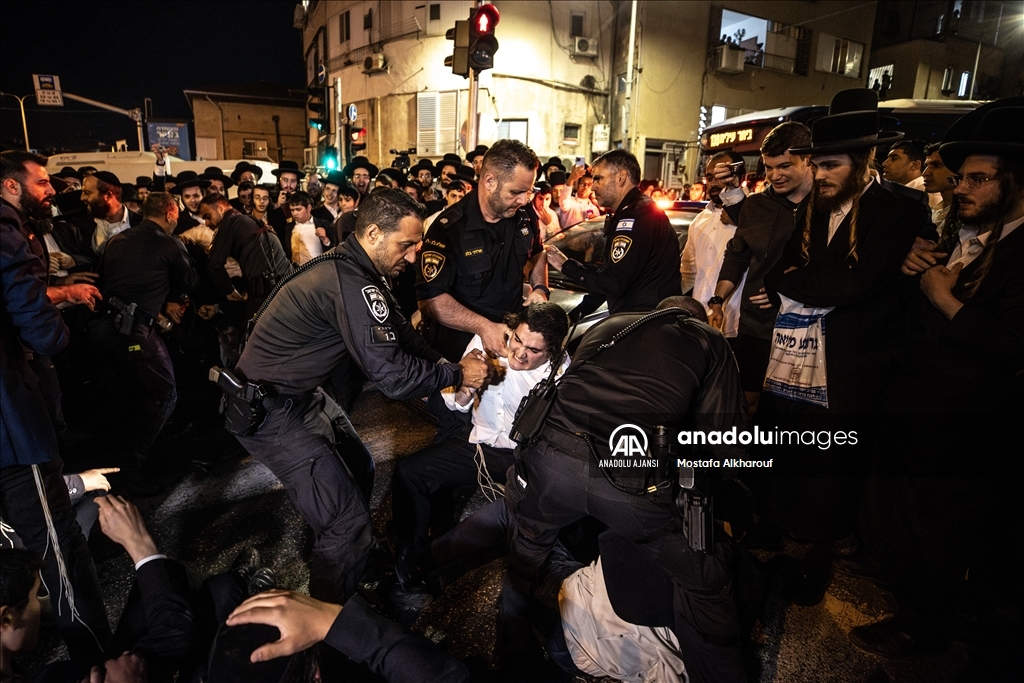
[{"x": 534, "y": 338}]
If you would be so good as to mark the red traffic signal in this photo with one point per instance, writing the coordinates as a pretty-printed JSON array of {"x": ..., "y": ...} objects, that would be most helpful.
[
  {"x": 358, "y": 138},
  {"x": 485, "y": 19},
  {"x": 482, "y": 43}
]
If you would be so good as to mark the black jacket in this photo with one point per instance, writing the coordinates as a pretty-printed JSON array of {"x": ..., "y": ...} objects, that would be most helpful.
[
  {"x": 641, "y": 258},
  {"x": 257, "y": 250}
]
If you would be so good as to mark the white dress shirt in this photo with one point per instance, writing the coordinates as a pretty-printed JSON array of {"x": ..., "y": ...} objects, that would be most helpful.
[
  {"x": 105, "y": 230},
  {"x": 494, "y": 408},
  {"x": 971, "y": 244},
  {"x": 701, "y": 262},
  {"x": 837, "y": 217},
  {"x": 305, "y": 243}
]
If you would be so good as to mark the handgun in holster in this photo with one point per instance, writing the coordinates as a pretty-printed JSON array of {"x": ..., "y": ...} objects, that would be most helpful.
[
  {"x": 124, "y": 321},
  {"x": 693, "y": 502},
  {"x": 241, "y": 403}
]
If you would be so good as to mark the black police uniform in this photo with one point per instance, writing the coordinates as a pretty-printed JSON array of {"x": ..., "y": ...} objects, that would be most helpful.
[
  {"x": 335, "y": 310},
  {"x": 479, "y": 264},
  {"x": 641, "y": 258},
  {"x": 652, "y": 376},
  {"x": 143, "y": 266},
  {"x": 259, "y": 254}
]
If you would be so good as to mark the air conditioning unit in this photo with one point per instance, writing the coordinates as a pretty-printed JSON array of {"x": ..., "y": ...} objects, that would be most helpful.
[
  {"x": 375, "y": 63},
  {"x": 584, "y": 47},
  {"x": 729, "y": 60}
]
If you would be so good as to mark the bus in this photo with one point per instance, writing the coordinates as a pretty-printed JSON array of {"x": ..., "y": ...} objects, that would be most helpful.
[{"x": 926, "y": 120}]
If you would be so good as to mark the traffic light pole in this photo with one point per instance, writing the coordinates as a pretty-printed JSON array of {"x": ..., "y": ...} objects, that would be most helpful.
[
  {"x": 339, "y": 126},
  {"x": 473, "y": 119},
  {"x": 24, "y": 125}
]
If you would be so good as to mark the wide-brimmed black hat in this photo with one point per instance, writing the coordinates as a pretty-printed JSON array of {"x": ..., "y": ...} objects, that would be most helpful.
[
  {"x": 423, "y": 165},
  {"x": 287, "y": 167},
  {"x": 143, "y": 181},
  {"x": 58, "y": 184},
  {"x": 360, "y": 162},
  {"x": 336, "y": 178},
  {"x": 392, "y": 174},
  {"x": 84, "y": 170},
  {"x": 992, "y": 129},
  {"x": 449, "y": 159},
  {"x": 243, "y": 166},
  {"x": 129, "y": 193},
  {"x": 217, "y": 173},
  {"x": 478, "y": 152},
  {"x": 554, "y": 161},
  {"x": 68, "y": 172},
  {"x": 557, "y": 178},
  {"x": 465, "y": 173},
  {"x": 188, "y": 179},
  {"x": 852, "y": 124},
  {"x": 68, "y": 202}
]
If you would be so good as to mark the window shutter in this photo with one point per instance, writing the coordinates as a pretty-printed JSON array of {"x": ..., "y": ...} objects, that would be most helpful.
[{"x": 436, "y": 129}]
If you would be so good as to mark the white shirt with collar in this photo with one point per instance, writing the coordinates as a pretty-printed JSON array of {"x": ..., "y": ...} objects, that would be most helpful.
[
  {"x": 305, "y": 243},
  {"x": 105, "y": 230},
  {"x": 837, "y": 217},
  {"x": 971, "y": 244},
  {"x": 701, "y": 262},
  {"x": 494, "y": 408}
]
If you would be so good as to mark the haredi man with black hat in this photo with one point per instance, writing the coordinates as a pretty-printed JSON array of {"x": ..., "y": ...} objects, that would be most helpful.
[
  {"x": 476, "y": 158},
  {"x": 189, "y": 187},
  {"x": 101, "y": 193},
  {"x": 361, "y": 171},
  {"x": 218, "y": 182},
  {"x": 843, "y": 263}
]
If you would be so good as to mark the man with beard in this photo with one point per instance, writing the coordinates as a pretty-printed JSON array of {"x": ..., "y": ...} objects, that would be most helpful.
[
  {"x": 423, "y": 174},
  {"x": 101, "y": 194},
  {"x": 33, "y": 496},
  {"x": 141, "y": 269},
  {"x": 706, "y": 240},
  {"x": 640, "y": 266},
  {"x": 340, "y": 308},
  {"x": 764, "y": 223},
  {"x": 287, "y": 174},
  {"x": 190, "y": 188},
  {"x": 845, "y": 259},
  {"x": 960, "y": 386},
  {"x": 475, "y": 253}
]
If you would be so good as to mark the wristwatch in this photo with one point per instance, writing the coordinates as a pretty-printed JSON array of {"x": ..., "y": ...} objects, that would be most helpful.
[
  {"x": 547, "y": 292},
  {"x": 716, "y": 301}
]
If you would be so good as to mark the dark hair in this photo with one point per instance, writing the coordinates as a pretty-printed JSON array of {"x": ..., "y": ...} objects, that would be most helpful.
[
  {"x": 233, "y": 646},
  {"x": 12, "y": 164},
  {"x": 932, "y": 149},
  {"x": 386, "y": 207},
  {"x": 264, "y": 186},
  {"x": 457, "y": 185},
  {"x": 687, "y": 303},
  {"x": 246, "y": 185},
  {"x": 18, "y": 571},
  {"x": 1011, "y": 186},
  {"x": 733, "y": 157},
  {"x": 505, "y": 156},
  {"x": 785, "y": 137},
  {"x": 545, "y": 318},
  {"x": 415, "y": 186},
  {"x": 646, "y": 185},
  {"x": 621, "y": 160},
  {"x": 299, "y": 198},
  {"x": 157, "y": 204},
  {"x": 215, "y": 198},
  {"x": 542, "y": 187},
  {"x": 911, "y": 149}
]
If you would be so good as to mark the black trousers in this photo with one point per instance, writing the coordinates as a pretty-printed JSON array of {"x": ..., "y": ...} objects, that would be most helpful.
[
  {"x": 296, "y": 442},
  {"x": 142, "y": 362},
  {"x": 447, "y": 466},
  {"x": 74, "y": 592},
  {"x": 551, "y": 490}
]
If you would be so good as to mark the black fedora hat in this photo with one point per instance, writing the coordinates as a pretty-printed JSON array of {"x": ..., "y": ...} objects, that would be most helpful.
[
  {"x": 217, "y": 173},
  {"x": 188, "y": 179},
  {"x": 336, "y": 178},
  {"x": 852, "y": 124},
  {"x": 287, "y": 167},
  {"x": 143, "y": 181},
  {"x": 993, "y": 129},
  {"x": 129, "y": 193},
  {"x": 554, "y": 161},
  {"x": 243, "y": 166},
  {"x": 423, "y": 165},
  {"x": 58, "y": 184},
  {"x": 465, "y": 173},
  {"x": 68, "y": 172},
  {"x": 478, "y": 152},
  {"x": 360, "y": 162},
  {"x": 557, "y": 178},
  {"x": 68, "y": 202},
  {"x": 449, "y": 159}
]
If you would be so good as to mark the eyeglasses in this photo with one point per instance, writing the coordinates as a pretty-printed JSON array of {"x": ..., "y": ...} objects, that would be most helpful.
[{"x": 973, "y": 182}]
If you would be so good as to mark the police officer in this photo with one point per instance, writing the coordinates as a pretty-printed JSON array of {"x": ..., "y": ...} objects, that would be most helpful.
[
  {"x": 641, "y": 253},
  {"x": 474, "y": 254},
  {"x": 341, "y": 307},
  {"x": 631, "y": 373},
  {"x": 139, "y": 271}
]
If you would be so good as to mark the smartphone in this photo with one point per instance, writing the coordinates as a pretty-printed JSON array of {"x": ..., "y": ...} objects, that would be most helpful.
[
  {"x": 580, "y": 161},
  {"x": 736, "y": 167}
]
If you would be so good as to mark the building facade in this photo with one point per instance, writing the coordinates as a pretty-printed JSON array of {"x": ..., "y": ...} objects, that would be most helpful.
[{"x": 565, "y": 80}]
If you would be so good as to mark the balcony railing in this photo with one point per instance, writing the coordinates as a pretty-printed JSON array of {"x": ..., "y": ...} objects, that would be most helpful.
[{"x": 766, "y": 60}]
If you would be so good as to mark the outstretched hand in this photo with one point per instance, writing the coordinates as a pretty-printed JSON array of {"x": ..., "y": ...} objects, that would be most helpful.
[{"x": 302, "y": 621}]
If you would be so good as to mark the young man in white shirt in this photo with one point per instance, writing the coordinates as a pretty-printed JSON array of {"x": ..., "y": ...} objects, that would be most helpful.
[
  {"x": 309, "y": 234},
  {"x": 534, "y": 338}
]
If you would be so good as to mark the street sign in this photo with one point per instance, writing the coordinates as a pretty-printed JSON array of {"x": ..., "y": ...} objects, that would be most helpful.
[
  {"x": 321, "y": 74},
  {"x": 48, "y": 92},
  {"x": 353, "y": 113}
]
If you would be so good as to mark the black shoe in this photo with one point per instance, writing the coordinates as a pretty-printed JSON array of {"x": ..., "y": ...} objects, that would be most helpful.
[
  {"x": 263, "y": 579},
  {"x": 897, "y": 638},
  {"x": 407, "y": 571},
  {"x": 246, "y": 563}
]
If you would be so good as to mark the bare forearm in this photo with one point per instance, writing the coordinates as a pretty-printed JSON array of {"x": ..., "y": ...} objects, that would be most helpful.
[
  {"x": 445, "y": 309},
  {"x": 539, "y": 270},
  {"x": 724, "y": 288}
]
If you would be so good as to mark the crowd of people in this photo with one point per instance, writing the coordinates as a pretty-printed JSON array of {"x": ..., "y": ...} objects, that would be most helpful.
[{"x": 839, "y": 299}]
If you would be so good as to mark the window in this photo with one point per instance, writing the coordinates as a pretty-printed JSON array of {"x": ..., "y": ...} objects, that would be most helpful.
[
  {"x": 576, "y": 24},
  {"x": 254, "y": 149},
  {"x": 965, "y": 82},
  {"x": 435, "y": 11},
  {"x": 344, "y": 27},
  {"x": 620, "y": 83},
  {"x": 839, "y": 55},
  {"x": 436, "y": 130},
  {"x": 513, "y": 129},
  {"x": 718, "y": 114},
  {"x": 571, "y": 134},
  {"x": 880, "y": 79},
  {"x": 767, "y": 44},
  {"x": 368, "y": 20}
]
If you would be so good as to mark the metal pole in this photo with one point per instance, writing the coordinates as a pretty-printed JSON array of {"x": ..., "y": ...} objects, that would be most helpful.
[
  {"x": 24, "y": 125},
  {"x": 974, "y": 73},
  {"x": 629, "y": 71},
  {"x": 471, "y": 119},
  {"x": 339, "y": 143}
]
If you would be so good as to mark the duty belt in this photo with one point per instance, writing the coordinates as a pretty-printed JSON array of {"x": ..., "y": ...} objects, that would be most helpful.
[
  {"x": 115, "y": 306},
  {"x": 567, "y": 442}
]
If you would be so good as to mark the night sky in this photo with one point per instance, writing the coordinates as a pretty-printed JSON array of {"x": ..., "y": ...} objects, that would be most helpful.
[{"x": 121, "y": 52}]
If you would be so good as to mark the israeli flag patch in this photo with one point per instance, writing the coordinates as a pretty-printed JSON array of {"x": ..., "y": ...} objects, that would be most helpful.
[{"x": 624, "y": 225}]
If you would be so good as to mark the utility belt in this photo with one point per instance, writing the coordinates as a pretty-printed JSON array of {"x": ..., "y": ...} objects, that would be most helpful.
[
  {"x": 261, "y": 286},
  {"x": 567, "y": 442},
  {"x": 126, "y": 316},
  {"x": 242, "y": 403}
]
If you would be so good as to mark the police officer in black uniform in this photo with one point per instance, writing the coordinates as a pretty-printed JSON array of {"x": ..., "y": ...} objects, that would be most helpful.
[
  {"x": 340, "y": 307},
  {"x": 474, "y": 254},
  {"x": 641, "y": 253},
  {"x": 140, "y": 270}
]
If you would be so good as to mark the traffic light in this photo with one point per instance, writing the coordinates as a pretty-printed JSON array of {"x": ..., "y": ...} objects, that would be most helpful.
[
  {"x": 458, "y": 60},
  {"x": 319, "y": 111},
  {"x": 329, "y": 159},
  {"x": 357, "y": 136},
  {"x": 482, "y": 43}
]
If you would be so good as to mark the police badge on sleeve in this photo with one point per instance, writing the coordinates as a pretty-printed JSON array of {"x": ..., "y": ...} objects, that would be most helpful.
[
  {"x": 620, "y": 246},
  {"x": 432, "y": 262},
  {"x": 376, "y": 302}
]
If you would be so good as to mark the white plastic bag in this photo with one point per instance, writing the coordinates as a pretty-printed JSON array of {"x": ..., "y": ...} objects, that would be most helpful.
[{"x": 796, "y": 369}]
